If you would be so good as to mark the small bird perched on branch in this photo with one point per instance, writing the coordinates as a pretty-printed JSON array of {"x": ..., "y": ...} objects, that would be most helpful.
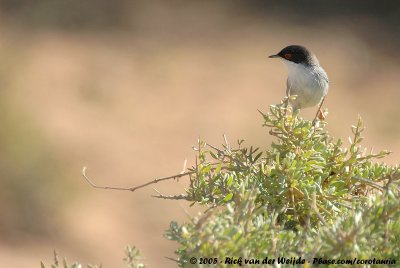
[{"x": 306, "y": 78}]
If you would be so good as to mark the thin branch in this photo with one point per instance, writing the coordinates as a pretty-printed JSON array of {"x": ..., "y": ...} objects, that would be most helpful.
[
  {"x": 370, "y": 183},
  {"x": 226, "y": 155},
  {"x": 132, "y": 189},
  {"x": 315, "y": 208},
  {"x": 391, "y": 177},
  {"x": 172, "y": 259},
  {"x": 55, "y": 257},
  {"x": 172, "y": 197},
  {"x": 184, "y": 166},
  {"x": 228, "y": 147}
]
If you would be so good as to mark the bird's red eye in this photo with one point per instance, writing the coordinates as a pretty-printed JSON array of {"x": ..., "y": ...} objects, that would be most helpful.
[{"x": 288, "y": 56}]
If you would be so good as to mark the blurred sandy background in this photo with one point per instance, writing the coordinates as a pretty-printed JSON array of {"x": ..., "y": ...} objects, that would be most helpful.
[{"x": 126, "y": 87}]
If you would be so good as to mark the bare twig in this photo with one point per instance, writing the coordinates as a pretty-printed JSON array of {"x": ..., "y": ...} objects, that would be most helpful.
[
  {"x": 55, "y": 254},
  {"x": 370, "y": 183},
  {"x": 132, "y": 189},
  {"x": 172, "y": 259},
  {"x": 184, "y": 166},
  {"x": 172, "y": 197},
  {"x": 315, "y": 208},
  {"x": 228, "y": 147},
  {"x": 226, "y": 155}
]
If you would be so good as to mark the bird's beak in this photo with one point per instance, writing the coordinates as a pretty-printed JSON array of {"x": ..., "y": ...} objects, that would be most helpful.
[{"x": 274, "y": 56}]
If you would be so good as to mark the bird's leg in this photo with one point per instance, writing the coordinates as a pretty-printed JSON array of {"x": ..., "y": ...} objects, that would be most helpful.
[{"x": 320, "y": 114}]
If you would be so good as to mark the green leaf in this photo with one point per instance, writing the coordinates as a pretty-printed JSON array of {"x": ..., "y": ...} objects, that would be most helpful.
[
  {"x": 230, "y": 180},
  {"x": 228, "y": 197},
  {"x": 218, "y": 168}
]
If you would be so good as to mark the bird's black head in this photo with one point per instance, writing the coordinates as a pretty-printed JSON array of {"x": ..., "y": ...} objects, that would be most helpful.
[{"x": 297, "y": 54}]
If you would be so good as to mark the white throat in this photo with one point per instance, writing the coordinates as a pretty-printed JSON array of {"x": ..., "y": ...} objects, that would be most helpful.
[{"x": 297, "y": 71}]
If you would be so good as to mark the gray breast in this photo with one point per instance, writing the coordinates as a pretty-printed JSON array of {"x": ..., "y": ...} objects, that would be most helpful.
[{"x": 310, "y": 84}]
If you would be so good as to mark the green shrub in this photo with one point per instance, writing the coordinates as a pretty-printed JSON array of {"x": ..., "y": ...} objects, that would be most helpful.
[
  {"x": 306, "y": 197},
  {"x": 307, "y": 200}
]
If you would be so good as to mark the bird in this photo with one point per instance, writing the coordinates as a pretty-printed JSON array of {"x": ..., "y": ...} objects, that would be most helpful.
[{"x": 306, "y": 78}]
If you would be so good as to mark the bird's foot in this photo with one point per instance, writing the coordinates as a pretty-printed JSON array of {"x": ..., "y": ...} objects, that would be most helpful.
[{"x": 321, "y": 115}]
